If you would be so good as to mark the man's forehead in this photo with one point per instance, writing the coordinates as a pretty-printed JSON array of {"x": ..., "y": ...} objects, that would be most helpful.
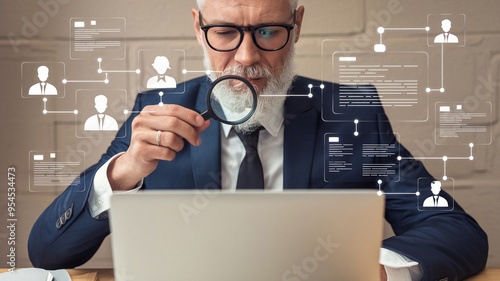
[
  {"x": 281, "y": 4},
  {"x": 247, "y": 10}
]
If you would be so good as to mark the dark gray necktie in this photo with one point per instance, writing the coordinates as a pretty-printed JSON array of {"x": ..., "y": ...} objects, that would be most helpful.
[{"x": 250, "y": 175}]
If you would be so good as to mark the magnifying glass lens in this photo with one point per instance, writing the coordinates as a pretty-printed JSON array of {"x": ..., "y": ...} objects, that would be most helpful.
[{"x": 232, "y": 100}]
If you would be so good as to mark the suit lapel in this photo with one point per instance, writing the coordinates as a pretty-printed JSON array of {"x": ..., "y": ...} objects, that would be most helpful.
[
  {"x": 206, "y": 158},
  {"x": 299, "y": 141}
]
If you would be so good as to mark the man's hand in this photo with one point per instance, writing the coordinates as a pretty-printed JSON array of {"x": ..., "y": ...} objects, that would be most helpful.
[
  {"x": 177, "y": 124},
  {"x": 383, "y": 274}
]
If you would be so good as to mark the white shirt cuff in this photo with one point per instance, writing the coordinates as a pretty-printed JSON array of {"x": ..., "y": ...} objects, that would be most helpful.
[
  {"x": 399, "y": 267},
  {"x": 100, "y": 191}
]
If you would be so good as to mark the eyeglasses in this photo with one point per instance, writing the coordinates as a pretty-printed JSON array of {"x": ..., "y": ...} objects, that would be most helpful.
[{"x": 267, "y": 37}]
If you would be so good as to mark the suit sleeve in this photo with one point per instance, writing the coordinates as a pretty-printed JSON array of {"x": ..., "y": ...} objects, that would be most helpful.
[
  {"x": 65, "y": 235},
  {"x": 447, "y": 244}
]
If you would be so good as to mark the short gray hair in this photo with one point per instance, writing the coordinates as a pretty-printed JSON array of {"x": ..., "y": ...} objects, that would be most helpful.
[{"x": 293, "y": 4}]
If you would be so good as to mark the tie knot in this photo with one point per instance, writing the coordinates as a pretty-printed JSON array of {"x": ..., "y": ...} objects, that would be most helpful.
[{"x": 250, "y": 140}]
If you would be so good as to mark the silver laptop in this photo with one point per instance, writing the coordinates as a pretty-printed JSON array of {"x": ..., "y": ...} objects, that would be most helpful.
[{"x": 265, "y": 236}]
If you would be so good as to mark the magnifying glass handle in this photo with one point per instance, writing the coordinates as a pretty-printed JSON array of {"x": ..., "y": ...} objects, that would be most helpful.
[{"x": 206, "y": 115}]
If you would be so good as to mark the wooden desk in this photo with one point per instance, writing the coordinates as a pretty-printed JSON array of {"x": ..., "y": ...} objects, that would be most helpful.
[
  {"x": 489, "y": 274},
  {"x": 88, "y": 274}
]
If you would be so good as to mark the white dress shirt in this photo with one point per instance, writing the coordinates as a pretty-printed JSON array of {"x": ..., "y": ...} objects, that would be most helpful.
[{"x": 270, "y": 149}]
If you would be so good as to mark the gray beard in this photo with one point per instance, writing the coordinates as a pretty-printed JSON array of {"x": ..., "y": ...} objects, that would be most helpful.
[{"x": 267, "y": 106}]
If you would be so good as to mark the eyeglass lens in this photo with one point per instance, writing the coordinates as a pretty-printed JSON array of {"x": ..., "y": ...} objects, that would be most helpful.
[{"x": 267, "y": 37}]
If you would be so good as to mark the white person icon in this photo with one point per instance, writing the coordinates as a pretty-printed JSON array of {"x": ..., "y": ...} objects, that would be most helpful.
[
  {"x": 446, "y": 36},
  {"x": 161, "y": 65},
  {"x": 435, "y": 200},
  {"x": 101, "y": 121},
  {"x": 42, "y": 88}
]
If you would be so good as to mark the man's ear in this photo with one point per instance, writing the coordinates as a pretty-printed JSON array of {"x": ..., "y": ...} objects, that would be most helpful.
[
  {"x": 298, "y": 22},
  {"x": 197, "y": 28}
]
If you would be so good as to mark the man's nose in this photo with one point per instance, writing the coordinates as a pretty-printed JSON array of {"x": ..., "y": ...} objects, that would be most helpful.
[{"x": 247, "y": 53}]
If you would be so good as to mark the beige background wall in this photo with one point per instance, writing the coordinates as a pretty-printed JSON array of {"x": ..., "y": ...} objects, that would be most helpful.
[{"x": 471, "y": 75}]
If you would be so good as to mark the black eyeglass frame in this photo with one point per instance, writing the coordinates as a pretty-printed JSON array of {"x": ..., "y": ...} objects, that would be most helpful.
[{"x": 241, "y": 29}]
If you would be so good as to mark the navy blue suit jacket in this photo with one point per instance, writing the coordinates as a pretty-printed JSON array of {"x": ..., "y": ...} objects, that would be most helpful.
[{"x": 446, "y": 244}]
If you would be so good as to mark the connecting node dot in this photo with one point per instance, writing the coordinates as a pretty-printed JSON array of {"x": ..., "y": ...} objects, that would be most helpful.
[
  {"x": 445, "y": 178},
  {"x": 427, "y": 28},
  {"x": 379, "y": 181},
  {"x": 99, "y": 70},
  {"x": 310, "y": 86},
  {"x": 160, "y": 104},
  {"x": 64, "y": 81},
  {"x": 75, "y": 112},
  {"x": 161, "y": 94},
  {"x": 125, "y": 112},
  {"x": 380, "y": 30},
  {"x": 138, "y": 71},
  {"x": 356, "y": 134},
  {"x": 322, "y": 86},
  {"x": 471, "y": 145},
  {"x": 45, "y": 99},
  {"x": 379, "y": 193},
  {"x": 428, "y": 90},
  {"x": 441, "y": 90},
  {"x": 184, "y": 71},
  {"x": 379, "y": 48},
  {"x": 106, "y": 81},
  {"x": 445, "y": 158},
  {"x": 417, "y": 193},
  {"x": 356, "y": 121},
  {"x": 207, "y": 72},
  {"x": 310, "y": 96},
  {"x": 471, "y": 158},
  {"x": 399, "y": 158},
  {"x": 44, "y": 111},
  {"x": 99, "y": 59}
]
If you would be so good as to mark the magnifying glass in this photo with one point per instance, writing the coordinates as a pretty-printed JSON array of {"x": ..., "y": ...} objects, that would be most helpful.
[{"x": 231, "y": 100}]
